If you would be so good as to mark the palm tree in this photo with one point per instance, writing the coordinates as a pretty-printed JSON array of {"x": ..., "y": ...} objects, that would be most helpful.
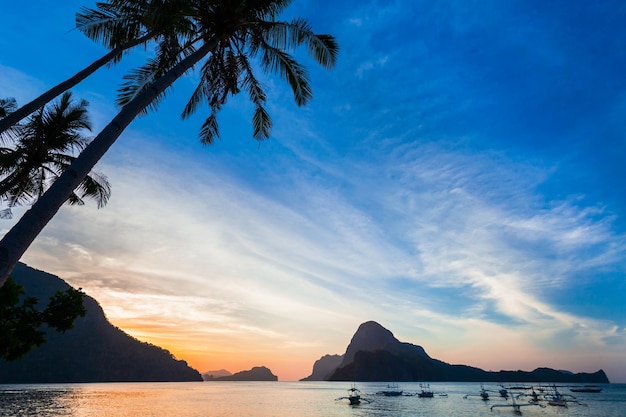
[
  {"x": 119, "y": 25},
  {"x": 228, "y": 32},
  {"x": 43, "y": 150}
]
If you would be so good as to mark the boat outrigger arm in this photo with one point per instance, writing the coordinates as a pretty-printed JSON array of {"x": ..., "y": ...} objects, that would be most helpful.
[{"x": 516, "y": 407}]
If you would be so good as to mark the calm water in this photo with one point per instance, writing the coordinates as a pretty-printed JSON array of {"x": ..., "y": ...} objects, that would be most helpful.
[{"x": 278, "y": 399}]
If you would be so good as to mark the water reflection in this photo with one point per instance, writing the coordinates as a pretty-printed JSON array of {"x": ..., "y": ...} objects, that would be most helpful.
[
  {"x": 24, "y": 401},
  {"x": 312, "y": 399}
]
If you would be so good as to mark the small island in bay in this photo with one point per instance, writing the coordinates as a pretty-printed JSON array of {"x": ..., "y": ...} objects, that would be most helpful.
[
  {"x": 257, "y": 373},
  {"x": 211, "y": 375}
]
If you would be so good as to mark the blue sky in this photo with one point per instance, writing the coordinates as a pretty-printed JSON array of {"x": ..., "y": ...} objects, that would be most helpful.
[{"x": 457, "y": 177}]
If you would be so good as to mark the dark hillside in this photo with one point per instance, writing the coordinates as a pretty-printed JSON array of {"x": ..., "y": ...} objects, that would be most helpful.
[{"x": 94, "y": 351}]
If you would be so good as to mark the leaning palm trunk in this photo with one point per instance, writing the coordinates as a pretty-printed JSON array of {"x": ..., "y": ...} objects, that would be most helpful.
[
  {"x": 27, "y": 109},
  {"x": 23, "y": 233}
]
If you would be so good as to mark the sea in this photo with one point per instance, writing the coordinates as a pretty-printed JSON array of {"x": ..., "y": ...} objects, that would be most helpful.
[{"x": 287, "y": 399}]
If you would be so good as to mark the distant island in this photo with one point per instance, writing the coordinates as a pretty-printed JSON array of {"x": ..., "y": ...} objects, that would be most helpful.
[
  {"x": 94, "y": 351},
  {"x": 375, "y": 355},
  {"x": 258, "y": 373},
  {"x": 211, "y": 375},
  {"x": 324, "y": 367}
]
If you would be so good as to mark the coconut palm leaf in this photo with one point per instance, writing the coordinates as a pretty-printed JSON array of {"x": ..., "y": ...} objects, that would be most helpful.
[
  {"x": 210, "y": 130},
  {"x": 112, "y": 25},
  {"x": 283, "y": 64}
]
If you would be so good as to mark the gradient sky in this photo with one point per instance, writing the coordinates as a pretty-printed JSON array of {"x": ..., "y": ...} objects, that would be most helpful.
[{"x": 458, "y": 178}]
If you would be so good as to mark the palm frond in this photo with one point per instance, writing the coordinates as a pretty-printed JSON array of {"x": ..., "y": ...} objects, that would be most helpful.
[
  {"x": 74, "y": 200},
  {"x": 9, "y": 159},
  {"x": 232, "y": 71},
  {"x": 168, "y": 53},
  {"x": 111, "y": 25},
  {"x": 250, "y": 83},
  {"x": 96, "y": 24},
  {"x": 290, "y": 35},
  {"x": 59, "y": 127},
  {"x": 208, "y": 86},
  {"x": 210, "y": 130},
  {"x": 219, "y": 78},
  {"x": 23, "y": 191},
  {"x": 198, "y": 96},
  {"x": 270, "y": 9},
  {"x": 96, "y": 186},
  {"x": 139, "y": 80},
  {"x": 324, "y": 49},
  {"x": 261, "y": 123},
  {"x": 16, "y": 183},
  {"x": 281, "y": 63}
]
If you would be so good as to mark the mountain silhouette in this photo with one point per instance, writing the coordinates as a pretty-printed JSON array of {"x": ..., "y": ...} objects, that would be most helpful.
[
  {"x": 93, "y": 351},
  {"x": 324, "y": 367},
  {"x": 371, "y": 336},
  {"x": 374, "y": 354},
  {"x": 211, "y": 375},
  {"x": 257, "y": 373}
]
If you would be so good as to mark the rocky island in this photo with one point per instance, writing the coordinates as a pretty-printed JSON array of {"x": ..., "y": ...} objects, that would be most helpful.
[
  {"x": 257, "y": 373},
  {"x": 374, "y": 354}
]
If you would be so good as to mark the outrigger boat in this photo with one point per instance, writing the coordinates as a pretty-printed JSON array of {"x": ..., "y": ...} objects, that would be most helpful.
[
  {"x": 560, "y": 400},
  {"x": 484, "y": 395},
  {"x": 426, "y": 392},
  {"x": 354, "y": 396},
  {"x": 534, "y": 397},
  {"x": 392, "y": 391},
  {"x": 516, "y": 407}
]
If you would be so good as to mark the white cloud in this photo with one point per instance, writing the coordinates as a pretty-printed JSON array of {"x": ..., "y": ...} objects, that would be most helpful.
[{"x": 19, "y": 85}]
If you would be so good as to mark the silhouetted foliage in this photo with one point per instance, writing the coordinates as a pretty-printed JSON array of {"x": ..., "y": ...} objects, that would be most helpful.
[{"x": 21, "y": 324}]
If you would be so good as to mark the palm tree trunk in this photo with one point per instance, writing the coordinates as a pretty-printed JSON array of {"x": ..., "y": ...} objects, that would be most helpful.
[
  {"x": 23, "y": 233},
  {"x": 13, "y": 118}
]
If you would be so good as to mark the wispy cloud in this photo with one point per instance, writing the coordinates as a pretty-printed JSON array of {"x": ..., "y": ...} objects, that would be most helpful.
[{"x": 390, "y": 240}]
